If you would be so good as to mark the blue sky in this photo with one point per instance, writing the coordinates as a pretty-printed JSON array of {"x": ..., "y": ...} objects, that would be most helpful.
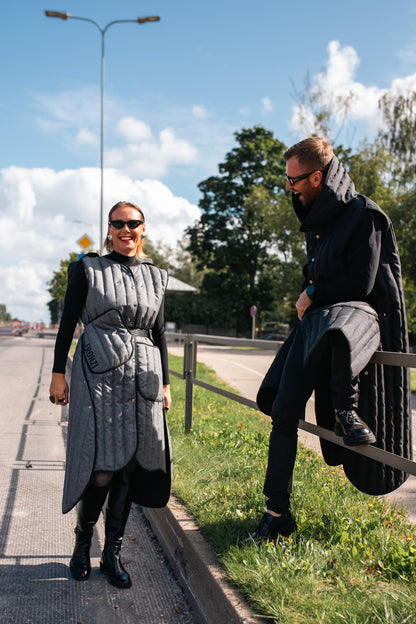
[{"x": 175, "y": 92}]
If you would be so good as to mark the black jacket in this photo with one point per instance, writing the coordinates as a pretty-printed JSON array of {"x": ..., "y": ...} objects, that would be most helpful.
[{"x": 352, "y": 256}]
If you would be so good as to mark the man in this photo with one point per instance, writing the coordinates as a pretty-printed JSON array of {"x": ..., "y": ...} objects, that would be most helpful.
[{"x": 351, "y": 298}]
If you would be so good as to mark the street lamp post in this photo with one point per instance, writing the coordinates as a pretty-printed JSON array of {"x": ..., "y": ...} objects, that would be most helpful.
[{"x": 139, "y": 20}]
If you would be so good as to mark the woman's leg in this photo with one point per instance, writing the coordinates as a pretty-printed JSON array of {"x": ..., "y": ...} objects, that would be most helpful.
[
  {"x": 88, "y": 511},
  {"x": 117, "y": 511}
]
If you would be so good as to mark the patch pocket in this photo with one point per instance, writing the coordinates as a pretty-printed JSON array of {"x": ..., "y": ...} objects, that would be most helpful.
[
  {"x": 104, "y": 350},
  {"x": 149, "y": 372}
]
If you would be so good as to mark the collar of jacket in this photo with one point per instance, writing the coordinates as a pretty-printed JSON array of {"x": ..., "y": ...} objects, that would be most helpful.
[{"x": 337, "y": 191}]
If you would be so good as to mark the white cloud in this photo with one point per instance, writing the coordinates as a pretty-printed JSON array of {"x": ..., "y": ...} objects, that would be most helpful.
[
  {"x": 134, "y": 130},
  {"x": 86, "y": 137},
  {"x": 337, "y": 85},
  {"x": 199, "y": 112},
  {"x": 133, "y": 133},
  {"x": 267, "y": 105},
  {"x": 44, "y": 212},
  {"x": 144, "y": 156},
  {"x": 68, "y": 109}
]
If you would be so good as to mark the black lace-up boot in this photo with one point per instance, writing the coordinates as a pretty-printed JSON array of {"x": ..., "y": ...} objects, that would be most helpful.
[
  {"x": 354, "y": 430},
  {"x": 271, "y": 527}
]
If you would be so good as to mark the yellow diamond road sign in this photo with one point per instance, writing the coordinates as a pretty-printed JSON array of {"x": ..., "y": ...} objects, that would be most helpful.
[{"x": 85, "y": 241}]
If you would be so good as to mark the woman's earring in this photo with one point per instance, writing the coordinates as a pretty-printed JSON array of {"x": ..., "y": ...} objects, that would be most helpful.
[
  {"x": 110, "y": 238},
  {"x": 143, "y": 236}
]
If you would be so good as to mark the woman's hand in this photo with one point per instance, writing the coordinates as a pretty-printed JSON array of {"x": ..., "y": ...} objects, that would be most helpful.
[
  {"x": 59, "y": 389},
  {"x": 167, "y": 400}
]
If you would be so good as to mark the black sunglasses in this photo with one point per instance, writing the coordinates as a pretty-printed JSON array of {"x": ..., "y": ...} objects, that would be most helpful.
[
  {"x": 293, "y": 180},
  {"x": 119, "y": 224}
]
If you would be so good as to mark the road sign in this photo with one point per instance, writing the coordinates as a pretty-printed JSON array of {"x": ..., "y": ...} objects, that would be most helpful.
[
  {"x": 85, "y": 241},
  {"x": 253, "y": 311}
]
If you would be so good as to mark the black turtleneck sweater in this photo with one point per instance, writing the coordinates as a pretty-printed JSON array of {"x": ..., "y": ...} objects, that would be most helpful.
[{"x": 75, "y": 297}]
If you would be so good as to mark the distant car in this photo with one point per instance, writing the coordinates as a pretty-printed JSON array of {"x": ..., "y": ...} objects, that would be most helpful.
[{"x": 273, "y": 337}]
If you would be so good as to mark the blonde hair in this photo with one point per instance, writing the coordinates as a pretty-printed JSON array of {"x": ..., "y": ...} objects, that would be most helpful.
[
  {"x": 108, "y": 243},
  {"x": 315, "y": 153}
]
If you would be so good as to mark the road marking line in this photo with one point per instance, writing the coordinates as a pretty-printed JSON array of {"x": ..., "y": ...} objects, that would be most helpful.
[{"x": 251, "y": 370}]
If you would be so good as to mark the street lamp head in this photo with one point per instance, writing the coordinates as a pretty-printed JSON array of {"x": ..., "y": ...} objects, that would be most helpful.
[
  {"x": 63, "y": 16},
  {"x": 151, "y": 18}
]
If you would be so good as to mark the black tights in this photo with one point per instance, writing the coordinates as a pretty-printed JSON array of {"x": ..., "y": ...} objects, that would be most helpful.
[
  {"x": 101, "y": 478},
  {"x": 117, "y": 486}
]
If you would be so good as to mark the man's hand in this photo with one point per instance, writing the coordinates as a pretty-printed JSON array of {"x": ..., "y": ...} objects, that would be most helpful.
[{"x": 302, "y": 304}]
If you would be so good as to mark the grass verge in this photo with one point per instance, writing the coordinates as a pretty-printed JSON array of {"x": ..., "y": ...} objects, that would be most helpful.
[
  {"x": 353, "y": 558},
  {"x": 413, "y": 380}
]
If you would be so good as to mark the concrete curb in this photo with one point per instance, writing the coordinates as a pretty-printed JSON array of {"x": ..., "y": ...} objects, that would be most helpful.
[{"x": 197, "y": 568}]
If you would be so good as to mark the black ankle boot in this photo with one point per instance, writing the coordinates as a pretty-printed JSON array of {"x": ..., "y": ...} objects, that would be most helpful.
[
  {"x": 353, "y": 430},
  {"x": 80, "y": 564},
  {"x": 270, "y": 527},
  {"x": 111, "y": 565},
  {"x": 117, "y": 512}
]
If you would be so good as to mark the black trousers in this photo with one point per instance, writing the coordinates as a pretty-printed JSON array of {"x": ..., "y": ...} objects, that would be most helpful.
[{"x": 296, "y": 386}]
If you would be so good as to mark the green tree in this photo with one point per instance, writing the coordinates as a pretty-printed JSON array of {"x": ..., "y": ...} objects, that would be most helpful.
[
  {"x": 57, "y": 288},
  {"x": 160, "y": 255},
  {"x": 185, "y": 267},
  {"x": 398, "y": 135},
  {"x": 235, "y": 241},
  {"x": 5, "y": 317},
  {"x": 54, "y": 311}
]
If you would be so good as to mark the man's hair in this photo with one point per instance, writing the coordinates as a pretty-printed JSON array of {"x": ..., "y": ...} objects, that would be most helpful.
[{"x": 314, "y": 153}]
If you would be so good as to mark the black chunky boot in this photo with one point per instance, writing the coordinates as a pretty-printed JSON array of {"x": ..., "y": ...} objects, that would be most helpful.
[
  {"x": 271, "y": 527},
  {"x": 353, "y": 430},
  {"x": 117, "y": 512},
  {"x": 89, "y": 508},
  {"x": 80, "y": 564}
]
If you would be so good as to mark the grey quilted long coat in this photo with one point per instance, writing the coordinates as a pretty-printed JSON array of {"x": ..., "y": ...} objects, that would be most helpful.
[{"x": 116, "y": 411}]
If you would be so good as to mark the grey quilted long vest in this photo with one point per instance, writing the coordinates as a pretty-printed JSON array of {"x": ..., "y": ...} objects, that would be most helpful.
[{"x": 116, "y": 398}]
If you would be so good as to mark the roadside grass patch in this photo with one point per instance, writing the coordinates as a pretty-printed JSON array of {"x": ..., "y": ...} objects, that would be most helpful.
[{"x": 353, "y": 557}]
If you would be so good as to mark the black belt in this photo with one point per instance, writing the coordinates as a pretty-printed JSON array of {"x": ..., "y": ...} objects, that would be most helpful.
[{"x": 139, "y": 332}]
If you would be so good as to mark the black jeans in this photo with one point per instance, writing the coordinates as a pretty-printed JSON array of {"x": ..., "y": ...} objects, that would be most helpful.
[{"x": 296, "y": 386}]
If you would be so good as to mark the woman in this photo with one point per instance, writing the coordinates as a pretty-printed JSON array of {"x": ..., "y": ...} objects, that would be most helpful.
[{"x": 118, "y": 443}]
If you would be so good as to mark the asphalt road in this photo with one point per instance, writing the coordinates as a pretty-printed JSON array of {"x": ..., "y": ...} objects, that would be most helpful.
[{"x": 244, "y": 369}]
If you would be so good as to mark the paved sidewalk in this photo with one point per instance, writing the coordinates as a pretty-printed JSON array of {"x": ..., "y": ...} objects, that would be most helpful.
[{"x": 36, "y": 540}]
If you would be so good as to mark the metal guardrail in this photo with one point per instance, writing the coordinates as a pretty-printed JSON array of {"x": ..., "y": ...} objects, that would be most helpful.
[{"x": 189, "y": 374}]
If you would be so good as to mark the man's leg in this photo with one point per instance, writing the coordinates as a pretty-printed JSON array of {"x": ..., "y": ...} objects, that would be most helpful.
[
  {"x": 344, "y": 395},
  {"x": 295, "y": 388}
]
